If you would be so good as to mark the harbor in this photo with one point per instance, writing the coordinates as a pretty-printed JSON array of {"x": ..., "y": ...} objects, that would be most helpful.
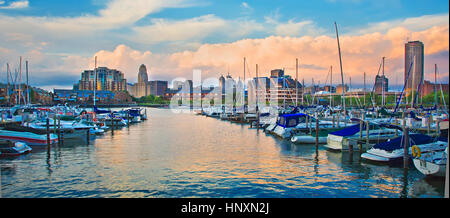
[
  {"x": 190, "y": 155},
  {"x": 246, "y": 100}
]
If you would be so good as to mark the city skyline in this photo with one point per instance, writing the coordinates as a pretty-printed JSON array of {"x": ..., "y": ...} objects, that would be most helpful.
[{"x": 60, "y": 39}]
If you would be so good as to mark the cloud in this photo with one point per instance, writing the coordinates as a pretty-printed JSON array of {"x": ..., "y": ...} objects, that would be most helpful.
[
  {"x": 413, "y": 24},
  {"x": 15, "y": 5}
]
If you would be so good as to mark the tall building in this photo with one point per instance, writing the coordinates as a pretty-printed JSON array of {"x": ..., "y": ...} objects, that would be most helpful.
[
  {"x": 107, "y": 80},
  {"x": 144, "y": 87},
  {"x": 381, "y": 82},
  {"x": 414, "y": 50}
]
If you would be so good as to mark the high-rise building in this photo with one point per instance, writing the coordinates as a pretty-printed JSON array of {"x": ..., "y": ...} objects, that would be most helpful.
[
  {"x": 414, "y": 51},
  {"x": 381, "y": 82},
  {"x": 144, "y": 87},
  {"x": 107, "y": 80}
]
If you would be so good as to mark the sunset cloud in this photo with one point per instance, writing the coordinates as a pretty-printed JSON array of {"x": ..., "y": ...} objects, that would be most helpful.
[{"x": 316, "y": 54}]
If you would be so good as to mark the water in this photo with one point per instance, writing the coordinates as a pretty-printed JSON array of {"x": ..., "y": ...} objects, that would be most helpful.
[{"x": 185, "y": 155}]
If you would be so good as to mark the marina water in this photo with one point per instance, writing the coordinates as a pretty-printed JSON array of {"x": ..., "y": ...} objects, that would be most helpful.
[{"x": 185, "y": 155}]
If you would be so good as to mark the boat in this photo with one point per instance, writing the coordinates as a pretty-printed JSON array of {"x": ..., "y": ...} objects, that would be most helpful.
[
  {"x": 393, "y": 150},
  {"x": 349, "y": 137},
  {"x": 28, "y": 137},
  {"x": 432, "y": 163},
  {"x": 9, "y": 148},
  {"x": 286, "y": 124},
  {"x": 310, "y": 138}
]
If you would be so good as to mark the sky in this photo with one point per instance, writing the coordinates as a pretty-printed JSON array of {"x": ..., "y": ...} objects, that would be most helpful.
[{"x": 60, "y": 39}]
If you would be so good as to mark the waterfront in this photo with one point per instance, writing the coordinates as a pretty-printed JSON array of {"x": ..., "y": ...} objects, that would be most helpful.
[{"x": 185, "y": 155}]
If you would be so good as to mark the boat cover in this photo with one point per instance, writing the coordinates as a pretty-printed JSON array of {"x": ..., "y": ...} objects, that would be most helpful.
[
  {"x": 414, "y": 139},
  {"x": 351, "y": 130}
]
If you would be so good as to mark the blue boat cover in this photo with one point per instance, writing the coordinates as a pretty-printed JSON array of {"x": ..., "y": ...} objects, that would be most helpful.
[
  {"x": 351, "y": 130},
  {"x": 98, "y": 111},
  {"x": 285, "y": 119},
  {"x": 414, "y": 139}
]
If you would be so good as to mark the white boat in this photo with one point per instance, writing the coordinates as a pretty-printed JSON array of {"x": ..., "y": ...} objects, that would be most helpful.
[
  {"x": 28, "y": 137},
  {"x": 432, "y": 163},
  {"x": 392, "y": 150},
  {"x": 343, "y": 139},
  {"x": 308, "y": 139}
]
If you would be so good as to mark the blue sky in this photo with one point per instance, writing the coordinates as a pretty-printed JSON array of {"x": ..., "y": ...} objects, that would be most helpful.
[{"x": 61, "y": 37}]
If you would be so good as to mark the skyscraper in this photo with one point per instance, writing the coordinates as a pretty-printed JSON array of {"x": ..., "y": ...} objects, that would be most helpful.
[
  {"x": 381, "y": 84},
  {"x": 107, "y": 80},
  {"x": 414, "y": 50}
]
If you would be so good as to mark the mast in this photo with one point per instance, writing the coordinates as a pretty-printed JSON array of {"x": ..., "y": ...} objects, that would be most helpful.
[
  {"x": 413, "y": 84},
  {"x": 331, "y": 85},
  {"x": 20, "y": 79},
  {"x": 303, "y": 89},
  {"x": 435, "y": 85},
  {"x": 382, "y": 87},
  {"x": 342, "y": 73},
  {"x": 296, "y": 82},
  {"x": 244, "y": 84},
  {"x": 7, "y": 84},
  {"x": 28, "y": 89},
  {"x": 364, "y": 89},
  {"x": 95, "y": 79}
]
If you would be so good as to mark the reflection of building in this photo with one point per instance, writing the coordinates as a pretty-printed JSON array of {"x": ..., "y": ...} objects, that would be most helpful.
[
  {"x": 414, "y": 49},
  {"x": 381, "y": 82},
  {"x": 144, "y": 87},
  {"x": 107, "y": 80}
]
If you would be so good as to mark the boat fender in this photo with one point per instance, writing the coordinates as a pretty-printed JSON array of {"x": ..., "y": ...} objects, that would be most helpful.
[{"x": 416, "y": 151}]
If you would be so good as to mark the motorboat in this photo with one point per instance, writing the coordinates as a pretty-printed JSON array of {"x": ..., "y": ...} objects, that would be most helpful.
[
  {"x": 432, "y": 163},
  {"x": 349, "y": 137},
  {"x": 28, "y": 137},
  {"x": 9, "y": 148},
  {"x": 393, "y": 150}
]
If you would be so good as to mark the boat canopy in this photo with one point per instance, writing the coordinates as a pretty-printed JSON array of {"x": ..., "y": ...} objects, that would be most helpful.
[
  {"x": 348, "y": 131},
  {"x": 98, "y": 111},
  {"x": 290, "y": 120},
  {"x": 414, "y": 139}
]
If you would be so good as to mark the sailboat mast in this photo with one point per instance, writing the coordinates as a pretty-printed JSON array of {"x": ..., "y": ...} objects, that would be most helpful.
[
  {"x": 20, "y": 78},
  {"x": 331, "y": 85},
  {"x": 257, "y": 80},
  {"x": 244, "y": 85},
  {"x": 7, "y": 84},
  {"x": 435, "y": 84},
  {"x": 382, "y": 87},
  {"x": 342, "y": 73},
  {"x": 296, "y": 82},
  {"x": 413, "y": 84},
  {"x": 95, "y": 78},
  {"x": 364, "y": 89},
  {"x": 28, "y": 88}
]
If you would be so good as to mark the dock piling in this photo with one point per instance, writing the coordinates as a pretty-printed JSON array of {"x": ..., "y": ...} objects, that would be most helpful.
[
  {"x": 405, "y": 147},
  {"x": 48, "y": 132},
  {"x": 317, "y": 133}
]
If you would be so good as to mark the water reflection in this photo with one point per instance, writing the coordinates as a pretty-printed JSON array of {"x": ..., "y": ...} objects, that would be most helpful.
[{"x": 184, "y": 155}]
